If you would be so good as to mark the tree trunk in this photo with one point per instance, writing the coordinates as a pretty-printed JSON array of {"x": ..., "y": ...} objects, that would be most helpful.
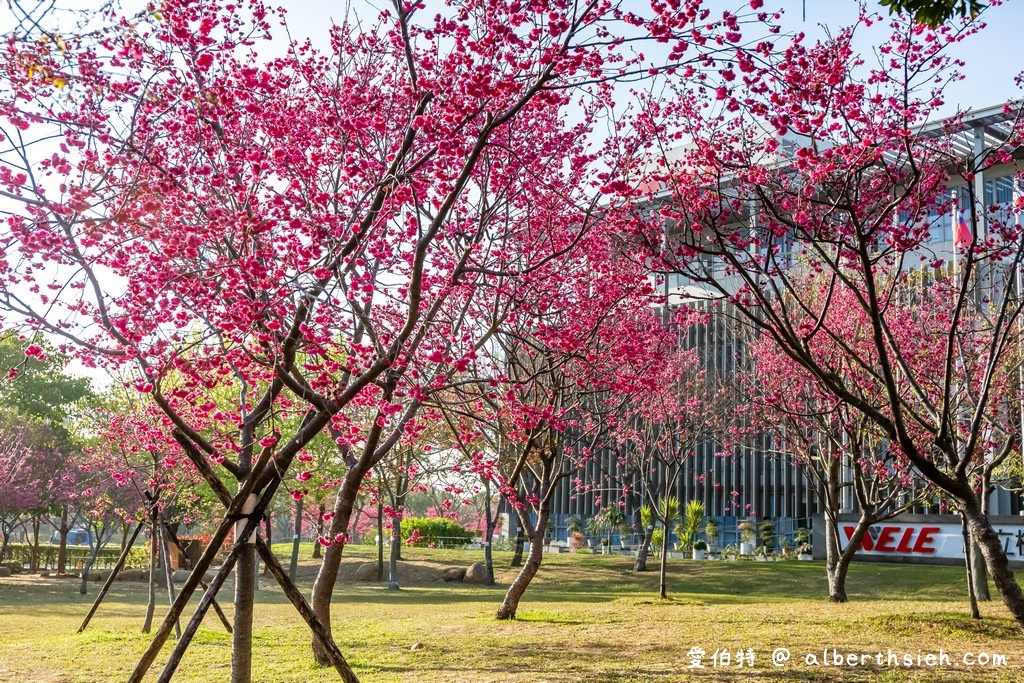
[
  {"x": 241, "y": 642},
  {"x": 62, "y": 550},
  {"x": 396, "y": 545},
  {"x": 270, "y": 543},
  {"x": 641, "y": 556},
  {"x": 979, "y": 575},
  {"x": 837, "y": 563},
  {"x": 323, "y": 587},
  {"x": 245, "y": 595},
  {"x": 4, "y": 542},
  {"x": 663, "y": 565},
  {"x": 517, "y": 556},
  {"x": 154, "y": 539},
  {"x": 33, "y": 562},
  {"x": 508, "y": 607},
  {"x": 317, "y": 548},
  {"x": 490, "y": 522},
  {"x": 87, "y": 565},
  {"x": 997, "y": 563},
  {"x": 969, "y": 549},
  {"x": 293, "y": 568},
  {"x": 380, "y": 539},
  {"x": 165, "y": 551}
]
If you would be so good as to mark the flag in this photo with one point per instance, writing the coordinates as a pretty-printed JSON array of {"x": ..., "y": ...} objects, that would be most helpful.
[{"x": 962, "y": 236}]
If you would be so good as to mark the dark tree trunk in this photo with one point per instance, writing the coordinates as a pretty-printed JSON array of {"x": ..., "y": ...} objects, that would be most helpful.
[
  {"x": 663, "y": 565},
  {"x": 490, "y": 521},
  {"x": 323, "y": 587},
  {"x": 979, "y": 575},
  {"x": 87, "y": 565},
  {"x": 154, "y": 539},
  {"x": 165, "y": 552},
  {"x": 396, "y": 545},
  {"x": 270, "y": 543},
  {"x": 33, "y": 562},
  {"x": 380, "y": 540},
  {"x": 241, "y": 642},
  {"x": 508, "y": 607},
  {"x": 62, "y": 550},
  {"x": 641, "y": 556},
  {"x": 517, "y": 556},
  {"x": 969, "y": 549},
  {"x": 997, "y": 563},
  {"x": 837, "y": 564},
  {"x": 317, "y": 548},
  {"x": 293, "y": 568}
]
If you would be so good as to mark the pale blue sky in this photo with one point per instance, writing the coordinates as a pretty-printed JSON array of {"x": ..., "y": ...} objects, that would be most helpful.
[{"x": 991, "y": 64}]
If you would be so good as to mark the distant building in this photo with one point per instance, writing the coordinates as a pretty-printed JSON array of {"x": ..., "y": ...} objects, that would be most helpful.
[{"x": 754, "y": 477}]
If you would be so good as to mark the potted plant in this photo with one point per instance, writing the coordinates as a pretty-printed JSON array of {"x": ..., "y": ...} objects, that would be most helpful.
[
  {"x": 802, "y": 540},
  {"x": 711, "y": 532},
  {"x": 699, "y": 549},
  {"x": 761, "y": 554},
  {"x": 656, "y": 538},
  {"x": 730, "y": 552},
  {"x": 804, "y": 552},
  {"x": 747, "y": 529},
  {"x": 767, "y": 533},
  {"x": 784, "y": 545},
  {"x": 605, "y": 545},
  {"x": 574, "y": 529}
]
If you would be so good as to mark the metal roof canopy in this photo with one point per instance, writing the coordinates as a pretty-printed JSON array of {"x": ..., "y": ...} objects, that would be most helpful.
[{"x": 995, "y": 124}]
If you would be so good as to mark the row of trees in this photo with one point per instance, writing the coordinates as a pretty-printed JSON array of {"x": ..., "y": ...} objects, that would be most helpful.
[{"x": 307, "y": 264}]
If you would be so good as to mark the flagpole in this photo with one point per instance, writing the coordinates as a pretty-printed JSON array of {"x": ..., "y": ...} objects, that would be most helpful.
[
  {"x": 955, "y": 225},
  {"x": 1019, "y": 276}
]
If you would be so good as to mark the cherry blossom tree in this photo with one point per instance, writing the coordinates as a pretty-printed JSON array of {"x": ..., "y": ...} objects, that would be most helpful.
[
  {"x": 30, "y": 470},
  {"x": 690, "y": 405},
  {"x": 839, "y": 450},
  {"x": 810, "y": 161},
  {"x": 316, "y": 234}
]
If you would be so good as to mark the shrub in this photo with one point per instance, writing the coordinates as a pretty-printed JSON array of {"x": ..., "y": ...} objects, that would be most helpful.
[
  {"x": 20, "y": 553},
  {"x": 438, "y": 531}
]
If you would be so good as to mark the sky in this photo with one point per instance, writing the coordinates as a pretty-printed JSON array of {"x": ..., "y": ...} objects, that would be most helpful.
[{"x": 990, "y": 68}]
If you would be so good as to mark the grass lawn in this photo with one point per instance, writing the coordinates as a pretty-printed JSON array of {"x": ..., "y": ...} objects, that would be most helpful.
[{"x": 585, "y": 618}]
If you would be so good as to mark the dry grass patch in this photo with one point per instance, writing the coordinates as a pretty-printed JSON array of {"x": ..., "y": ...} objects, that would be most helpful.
[{"x": 587, "y": 618}]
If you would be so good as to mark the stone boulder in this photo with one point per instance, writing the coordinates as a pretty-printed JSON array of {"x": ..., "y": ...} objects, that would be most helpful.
[
  {"x": 4, "y": 571},
  {"x": 453, "y": 574},
  {"x": 367, "y": 571},
  {"x": 477, "y": 573},
  {"x": 130, "y": 575},
  {"x": 180, "y": 576}
]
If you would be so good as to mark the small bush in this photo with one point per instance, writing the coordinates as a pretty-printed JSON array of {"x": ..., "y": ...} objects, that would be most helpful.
[{"x": 437, "y": 531}]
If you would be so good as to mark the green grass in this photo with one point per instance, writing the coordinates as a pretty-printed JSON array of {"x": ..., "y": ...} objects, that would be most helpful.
[{"x": 586, "y": 618}]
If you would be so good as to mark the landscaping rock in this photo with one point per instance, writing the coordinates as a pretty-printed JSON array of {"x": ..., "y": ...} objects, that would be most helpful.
[
  {"x": 453, "y": 574},
  {"x": 367, "y": 571},
  {"x": 130, "y": 575},
  {"x": 477, "y": 573},
  {"x": 181, "y": 576},
  {"x": 5, "y": 571}
]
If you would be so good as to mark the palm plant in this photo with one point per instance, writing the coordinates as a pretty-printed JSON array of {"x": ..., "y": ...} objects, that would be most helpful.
[{"x": 693, "y": 519}]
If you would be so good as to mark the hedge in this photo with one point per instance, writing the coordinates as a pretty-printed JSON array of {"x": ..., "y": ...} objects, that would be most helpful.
[
  {"x": 437, "y": 531},
  {"x": 107, "y": 557}
]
